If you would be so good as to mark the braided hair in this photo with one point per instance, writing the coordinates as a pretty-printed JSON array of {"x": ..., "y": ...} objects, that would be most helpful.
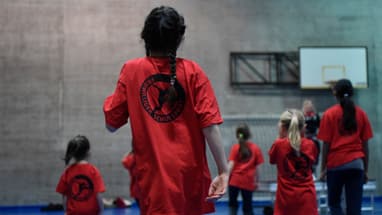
[
  {"x": 163, "y": 31},
  {"x": 343, "y": 90},
  {"x": 78, "y": 148}
]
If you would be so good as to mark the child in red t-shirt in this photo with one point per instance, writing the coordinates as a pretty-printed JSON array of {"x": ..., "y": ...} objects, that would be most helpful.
[
  {"x": 345, "y": 130},
  {"x": 294, "y": 156},
  {"x": 172, "y": 111},
  {"x": 244, "y": 159},
  {"x": 81, "y": 182},
  {"x": 128, "y": 161}
]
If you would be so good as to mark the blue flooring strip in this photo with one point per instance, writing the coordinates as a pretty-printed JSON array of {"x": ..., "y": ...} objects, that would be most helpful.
[{"x": 221, "y": 209}]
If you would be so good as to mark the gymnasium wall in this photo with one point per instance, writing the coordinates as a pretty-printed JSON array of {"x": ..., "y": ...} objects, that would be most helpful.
[{"x": 60, "y": 59}]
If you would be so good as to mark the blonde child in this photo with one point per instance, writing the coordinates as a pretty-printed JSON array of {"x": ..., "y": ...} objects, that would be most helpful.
[{"x": 294, "y": 156}]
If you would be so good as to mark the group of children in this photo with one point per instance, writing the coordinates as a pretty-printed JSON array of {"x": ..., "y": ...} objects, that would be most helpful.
[
  {"x": 173, "y": 112},
  {"x": 294, "y": 152},
  {"x": 344, "y": 130},
  {"x": 294, "y": 155},
  {"x": 81, "y": 182}
]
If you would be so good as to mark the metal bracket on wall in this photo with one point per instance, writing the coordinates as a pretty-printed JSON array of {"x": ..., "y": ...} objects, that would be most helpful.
[{"x": 265, "y": 69}]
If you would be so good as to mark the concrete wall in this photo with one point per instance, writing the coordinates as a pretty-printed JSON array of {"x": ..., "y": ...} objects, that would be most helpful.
[{"x": 60, "y": 59}]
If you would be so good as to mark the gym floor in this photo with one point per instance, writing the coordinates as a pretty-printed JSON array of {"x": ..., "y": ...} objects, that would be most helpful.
[{"x": 221, "y": 209}]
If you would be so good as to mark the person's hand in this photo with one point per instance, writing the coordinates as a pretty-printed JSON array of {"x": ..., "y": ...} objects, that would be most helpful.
[
  {"x": 218, "y": 187},
  {"x": 322, "y": 176}
]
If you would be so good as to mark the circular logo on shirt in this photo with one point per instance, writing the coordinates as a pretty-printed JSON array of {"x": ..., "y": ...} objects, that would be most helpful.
[
  {"x": 297, "y": 167},
  {"x": 81, "y": 188},
  {"x": 154, "y": 98}
]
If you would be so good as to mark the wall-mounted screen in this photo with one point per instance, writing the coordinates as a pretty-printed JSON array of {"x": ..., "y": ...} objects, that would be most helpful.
[{"x": 321, "y": 66}]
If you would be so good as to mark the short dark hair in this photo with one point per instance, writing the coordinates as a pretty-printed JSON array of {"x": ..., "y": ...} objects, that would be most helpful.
[{"x": 78, "y": 148}]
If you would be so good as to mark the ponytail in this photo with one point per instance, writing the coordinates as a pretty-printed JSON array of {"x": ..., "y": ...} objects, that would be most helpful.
[
  {"x": 243, "y": 134},
  {"x": 70, "y": 150},
  {"x": 349, "y": 122},
  {"x": 293, "y": 120},
  {"x": 343, "y": 90},
  {"x": 294, "y": 135},
  {"x": 172, "y": 95}
]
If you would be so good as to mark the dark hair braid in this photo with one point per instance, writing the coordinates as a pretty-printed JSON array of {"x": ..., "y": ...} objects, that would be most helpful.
[
  {"x": 163, "y": 31},
  {"x": 243, "y": 134},
  {"x": 343, "y": 90},
  {"x": 172, "y": 95},
  {"x": 70, "y": 151}
]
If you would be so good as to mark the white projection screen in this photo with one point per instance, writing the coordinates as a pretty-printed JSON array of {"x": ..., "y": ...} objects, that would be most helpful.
[{"x": 319, "y": 66}]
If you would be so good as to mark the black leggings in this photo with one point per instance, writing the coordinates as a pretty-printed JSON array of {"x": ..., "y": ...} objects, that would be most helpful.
[{"x": 246, "y": 195}]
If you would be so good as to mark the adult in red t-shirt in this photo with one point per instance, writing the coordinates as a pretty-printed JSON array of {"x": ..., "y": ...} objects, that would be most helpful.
[
  {"x": 294, "y": 156},
  {"x": 172, "y": 111},
  {"x": 345, "y": 130},
  {"x": 81, "y": 182},
  {"x": 312, "y": 123},
  {"x": 244, "y": 159},
  {"x": 128, "y": 161}
]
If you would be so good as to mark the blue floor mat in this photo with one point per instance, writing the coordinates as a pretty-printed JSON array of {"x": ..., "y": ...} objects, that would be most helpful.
[{"x": 221, "y": 209}]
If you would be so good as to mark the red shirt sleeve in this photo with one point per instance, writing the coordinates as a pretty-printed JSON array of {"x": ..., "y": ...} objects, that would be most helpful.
[
  {"x": 308, "y": 147},
  {"x": 366, "y": 131},
  {"x": 325, "y": 133},
  {"x": 273, "y": 152},
  {"x": 62, "y": 185},
  {"x": 259, "y": 156},
  {"x": 115, "y": 106},
  {"x": 206, "y": 105},
  {"x": 99, "y": 185}
]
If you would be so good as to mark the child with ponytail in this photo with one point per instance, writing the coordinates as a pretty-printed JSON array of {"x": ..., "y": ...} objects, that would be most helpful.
[
  {"x": 294, "y": 156},
  {"x": 81, "y": 183},
  {"x": 172, "y": 110},
  {"x": 345, "y": 130},
  {"x": 244, "y": 160}
]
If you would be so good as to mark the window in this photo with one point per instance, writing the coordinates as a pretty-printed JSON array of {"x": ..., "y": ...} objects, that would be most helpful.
[{"x": 271, "y": 69}]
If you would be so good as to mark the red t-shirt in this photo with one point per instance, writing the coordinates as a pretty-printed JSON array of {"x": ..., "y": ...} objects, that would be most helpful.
[
  {"x": 343, "y": 148},
  {"x": 243, "y": 173},
  {"x": 296, "y": 193},
  {"x": 81, "y": 183},
  {"x": 169, "y": 144},
  {"x": 129, "y": 163}
]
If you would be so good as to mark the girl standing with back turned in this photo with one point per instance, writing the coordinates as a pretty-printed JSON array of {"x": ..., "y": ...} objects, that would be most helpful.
[
  {"x": 172, "y": 111},
  {"x": 345, "y": 130},
  {"x": 294, "y": 156},
  {"x": 81, "y": 183},
  {"x": 244, "y": 159}
]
